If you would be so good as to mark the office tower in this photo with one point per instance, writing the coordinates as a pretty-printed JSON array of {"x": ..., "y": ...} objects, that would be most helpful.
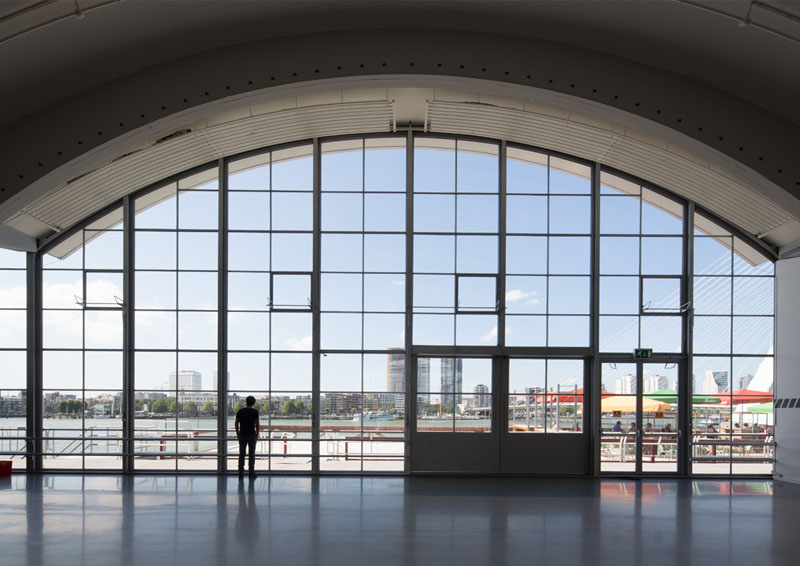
[
  {"x": 451, "y": 381},
  {"x": 185, "y": 379}
]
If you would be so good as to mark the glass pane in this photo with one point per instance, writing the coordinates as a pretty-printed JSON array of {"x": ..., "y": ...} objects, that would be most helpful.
[
  {"x": 434, "y": 329},
  {"x": 619, "y": 295},
  {"x": 248, "y": 331},
  {"x": 477, "y": 293},
  {"x": 619, "y": 333},
  {"x": 662, "y": 333},
  {"x": 342, "y": 252},
  {"x": 293, "y": 169},
  {"x": 565, "y": 378},
  {"x": 341, "y": 292},
  {"x": 619, "y": 215},
  {"x": 712, "y": 256},
  {"x": 660, "y": 215},
  {"x": 526, "y": 294},
  {"x": 197, "y": 291},
  {"x": 712, "y": 295},
  {"x": 385, "y": 213},
  {"x": 291, "y": 290},
  {"x": 15, "y": 370},
  {"x": 753, "y": 334},
  {"x": 661, "y": 295},
  {"x": 747, "y": 260},
  {"x": 197, "y": 330},
  {"x": 248, "y": 291},
  {"x": 526, "y": 171},
  {"x": 434, "y": 292},
  {"x": 291, "y": 252},
  {"x": 526, "y": 330},
  {"x": 158, "y": 209},
  {"x": 12, "y": 289},
  {"x": 476, "y": 213},
  {"x": 476, "y": 330},
  {"x": 248, "y": 252},
  {"x": 476, "y": 254},
  {"x": 570, "y": 215},
  {"x": 103, "y": 250},
  {"x": 662, "y": 256},
  {"x": 197, "y": 250},
  {"x": 290, "y": 371},
  {"x": 103, "y": 289},
  {"x": 248, "y": 211},
  {"x": 619, "y": 256},
  {"x": 384, "y": 252},
  {"x": 570, "y": 255},
  {"x": 753, "y": 295},
  {"x": 249, "y": 174},
  {"x": 342, "y": 164},
  {"x": 62, "y": 370},
  {"x": 385, "y": 164},
  {"x": 756, "y": 375},
  {"x": 615, "y": 185},
  {"x": 384, "y": 293},
  {"x": 60, "y": 289},
  {"x": 155, "y": 289},
  {"x": 568, "y": 331},
  {"x": 341, "y": 331},
  {"x": 526, "y": 254},
  {"x": 434, "y": 165},
  {"x": 384, "y": 331},
  {"x": 477, "y": 167},
  {"x": 197, "y": 210},
  {"x": 526, "y": 214},
  {"x": 292, "y": 211},
  {"x": 248, "y": 372},
  {"x": 291, "y": 331},
  {"x": 340, "y": 372},
  {"x": 569, "y": 177},
  {"x": 62, "y": 329},
  {"x": 712, "y": 334},
  {"x": 434, "y": 213},
  {"x": 156, "y": 250},
  {"x": 568, "y": 295},
  {"x": 342, "y": 212},
  {"x": 710, "y": 376},
  {"x": 103, "y": 329},
  {"x": 434, "y": 254},
  {"x": 153, "y": 370}
]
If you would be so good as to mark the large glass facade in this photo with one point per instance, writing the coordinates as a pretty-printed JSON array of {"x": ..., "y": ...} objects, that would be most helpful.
[{"x": 368, "y": 290}]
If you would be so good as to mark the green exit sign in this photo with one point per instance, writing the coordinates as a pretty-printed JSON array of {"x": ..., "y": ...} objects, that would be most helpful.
[{"x": 642, "y": 353}]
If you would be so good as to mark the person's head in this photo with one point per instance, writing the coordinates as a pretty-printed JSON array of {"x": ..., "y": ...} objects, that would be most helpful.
[
  {"x": 250, "y": 401},
  {"x": 619, "y": 423},
  {"x": 668, "y": 426}
]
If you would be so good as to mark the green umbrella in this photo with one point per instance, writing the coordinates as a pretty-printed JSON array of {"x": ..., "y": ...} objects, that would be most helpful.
[
  {"x": 671, "y": 396},
  {"x": 762, "y": 409}
]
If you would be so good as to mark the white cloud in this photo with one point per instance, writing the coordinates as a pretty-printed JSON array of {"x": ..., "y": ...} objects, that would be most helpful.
[
  {"x": 398, "y": 282},
  {"x": 299, "y": 344},
  {"x": 518, "y": 295},
  {"x": 13, "y": 297},
  {"x": 490, "y": 337}
]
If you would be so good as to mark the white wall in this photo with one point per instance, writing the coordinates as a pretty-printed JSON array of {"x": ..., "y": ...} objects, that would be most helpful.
[{"x": 787, "y": 368}]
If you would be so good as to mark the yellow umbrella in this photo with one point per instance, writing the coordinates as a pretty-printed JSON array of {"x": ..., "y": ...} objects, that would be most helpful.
[{"x": 627, "y": 403}]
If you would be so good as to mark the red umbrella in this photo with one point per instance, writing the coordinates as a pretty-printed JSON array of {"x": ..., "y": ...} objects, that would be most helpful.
[{"x": 745, "y": 396}]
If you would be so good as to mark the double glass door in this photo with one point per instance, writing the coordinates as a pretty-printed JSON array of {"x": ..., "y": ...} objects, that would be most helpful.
[{"x": 639, "y": 430}]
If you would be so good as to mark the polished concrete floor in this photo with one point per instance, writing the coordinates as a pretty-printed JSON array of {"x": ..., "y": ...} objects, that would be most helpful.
[{"x": 150, "y": 520}]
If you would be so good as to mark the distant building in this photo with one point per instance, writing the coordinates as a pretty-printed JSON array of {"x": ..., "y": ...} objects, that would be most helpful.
[
  {"x": 744, "y": 381},
  {"x": 395, "y": 371},
  {"x": 423, "y": 382},
  {"x": 715, "y": 382},
  {"x": 185, "y": 380},
  {"x": 482, "y": 397},
  {"x": 626, "y": 385},
  {"x": 452, "y": 379},
  {"x": 656, "y": 382}
]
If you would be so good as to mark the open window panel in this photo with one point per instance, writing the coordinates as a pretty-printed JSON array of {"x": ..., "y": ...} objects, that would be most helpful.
[
  {"x": 660, "y": 295},
  {"x": 476, "y": 293},
  {"x": 290, "y": 291},
  {"x": 101, "y": 290}
]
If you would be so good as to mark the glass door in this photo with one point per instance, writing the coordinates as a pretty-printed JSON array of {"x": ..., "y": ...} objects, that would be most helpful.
[{"x": 639, "y": 418}]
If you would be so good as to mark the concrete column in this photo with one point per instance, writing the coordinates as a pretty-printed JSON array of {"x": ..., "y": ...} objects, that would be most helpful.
[{"x": 787, "y": 369}]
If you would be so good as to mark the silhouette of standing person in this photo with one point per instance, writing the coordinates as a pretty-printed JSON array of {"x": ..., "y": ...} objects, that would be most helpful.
[{"x": 246, "y": 425}]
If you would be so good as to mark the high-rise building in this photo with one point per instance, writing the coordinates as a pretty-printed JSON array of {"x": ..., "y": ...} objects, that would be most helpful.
[
  {"x": 482, "y": 398},
  {"x": 715, "y": 382},
  {"x": 744, "y": 381},
  {"x": 451, "y": 381},
  {"x": 423, "y": 381},
  {"x": 655, "y": 382},
  {"x": 395, "y": 371},
  {"x": 185, "y": 379},
  {"x": 626, "y": 385}
]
